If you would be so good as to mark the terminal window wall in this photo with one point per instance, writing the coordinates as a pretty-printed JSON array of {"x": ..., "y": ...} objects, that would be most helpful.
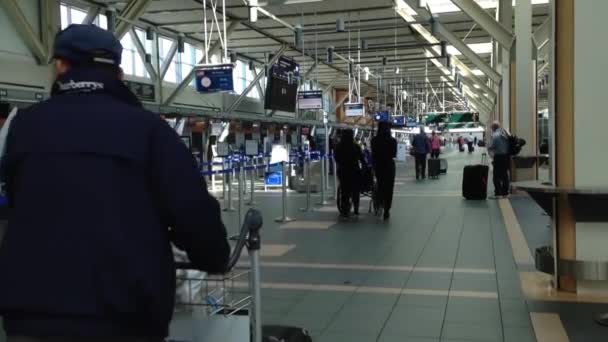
[
  {"x": 133, "y": 63},
  {"x": 242, "y": 78},
  {"x": 73, "y": 15}
]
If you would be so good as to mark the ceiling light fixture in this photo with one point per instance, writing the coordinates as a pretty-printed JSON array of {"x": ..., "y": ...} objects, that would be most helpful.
[{"x": 253, "y": 11}]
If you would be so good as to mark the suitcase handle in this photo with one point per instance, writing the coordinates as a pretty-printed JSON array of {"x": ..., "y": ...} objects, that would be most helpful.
[{"x": 484, "y": 159}]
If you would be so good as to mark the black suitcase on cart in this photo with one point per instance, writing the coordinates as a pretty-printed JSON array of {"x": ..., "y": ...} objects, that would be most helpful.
[
  {"x": 475, "y": 180},
  {"x": 277, "y": 333},
  {"x": 434, "y": 168}
]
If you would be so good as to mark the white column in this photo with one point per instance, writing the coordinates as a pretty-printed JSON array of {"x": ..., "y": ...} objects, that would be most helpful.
[
  {"x": 590, "y": 154},
  {"x": 505, "y": 17},
  {"x": 525, "y": 74}
]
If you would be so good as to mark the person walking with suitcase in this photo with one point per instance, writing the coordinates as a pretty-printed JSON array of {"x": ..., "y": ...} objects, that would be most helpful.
[
  {"x": 499, "y": 149},
  {"x": 422, "y": 146},
  {"x": 384, "y": 150}
]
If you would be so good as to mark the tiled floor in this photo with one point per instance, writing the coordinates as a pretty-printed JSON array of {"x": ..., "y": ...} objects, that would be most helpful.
[{"x": 441, "y": 269}]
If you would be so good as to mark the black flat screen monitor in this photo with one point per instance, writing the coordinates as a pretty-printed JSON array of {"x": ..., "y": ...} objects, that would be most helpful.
[{"x": 281, "y": 95}]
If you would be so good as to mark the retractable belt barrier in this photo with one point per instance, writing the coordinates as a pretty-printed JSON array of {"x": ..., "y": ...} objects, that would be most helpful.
[{"x": 237, "y": 165}]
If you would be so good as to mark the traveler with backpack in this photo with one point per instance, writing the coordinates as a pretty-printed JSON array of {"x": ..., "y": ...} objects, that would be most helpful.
[{"x": 500, "y": 149}]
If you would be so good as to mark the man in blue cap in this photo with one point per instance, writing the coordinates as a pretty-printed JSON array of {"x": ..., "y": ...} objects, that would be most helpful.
[{"x": 97, "y": 189}]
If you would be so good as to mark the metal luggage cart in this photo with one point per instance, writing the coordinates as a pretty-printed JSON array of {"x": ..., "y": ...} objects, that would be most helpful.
[
  {"x": 234, "y": 294},
  {"x": 368, "y": 188}
]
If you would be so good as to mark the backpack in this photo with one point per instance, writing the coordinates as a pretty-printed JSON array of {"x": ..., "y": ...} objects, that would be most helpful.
[{"x": 515, "y": 144}]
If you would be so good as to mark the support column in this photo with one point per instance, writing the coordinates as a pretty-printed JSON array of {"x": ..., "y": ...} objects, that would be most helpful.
[
  {"x": 524, "y": 122},
  {"x": 505, "y": 17},
  {"x": 579, "y": 160}
]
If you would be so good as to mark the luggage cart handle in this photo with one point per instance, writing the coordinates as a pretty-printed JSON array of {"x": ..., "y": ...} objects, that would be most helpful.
[{"x": 248, "y": 236}]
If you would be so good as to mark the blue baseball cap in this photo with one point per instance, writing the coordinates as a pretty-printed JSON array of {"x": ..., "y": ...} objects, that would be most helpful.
[{"x": 87, "y": 44}]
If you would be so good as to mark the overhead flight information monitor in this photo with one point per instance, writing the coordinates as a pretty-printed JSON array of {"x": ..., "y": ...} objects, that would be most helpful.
[
  {"x": 282, "y": 85},
  {"x": 354, "y": 109}
]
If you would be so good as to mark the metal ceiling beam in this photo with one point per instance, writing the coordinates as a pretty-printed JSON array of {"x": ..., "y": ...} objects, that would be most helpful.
[
  {"x": 541, "y": 34},
  {"x": 503, "y": 35},
  {"x": 92, "y": 14},
  {"x": 50, "y": 23},
  {"x": 168, "y": 59},
  {"x": 284, "y": 42},
  {"x": 213, "y": 49},
  {"x": 468, "y": 52},
  {"x": 257, "y": 84},
  {"x": 131, "y": 12},
  {"x": 340, "y": 102},
  {"x": 25, "y": 30},
  {"x": 257, "y": 78},
  {"x": 466, "y": 71},
  {"x": 312, "y": 68},
  {"x": 332, "y": 82},
  {"x": 142, "y": 53}
]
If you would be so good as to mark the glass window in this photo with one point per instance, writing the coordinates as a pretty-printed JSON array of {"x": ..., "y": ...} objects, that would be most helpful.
[
  {"x": 132, "y": 63},
  {"x": 102, "y": 21},
  {"x": 165, "y": 46},
  {"x": 64, "y": 16},
  {"x": 77, "y": 16}
]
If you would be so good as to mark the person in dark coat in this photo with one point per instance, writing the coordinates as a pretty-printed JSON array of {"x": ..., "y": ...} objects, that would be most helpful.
[
  {"x": 422, "y": 147},
  {"x": 384, "y": 150},
  {"x": 349, "y": 159},
  {"x": 97, "y": 189}
]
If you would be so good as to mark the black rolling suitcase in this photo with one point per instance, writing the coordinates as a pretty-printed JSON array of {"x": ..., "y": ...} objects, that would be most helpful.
[
  {"x": 443, "y": 166},
  {"x": 475, "y": 180},
  {"x": 277, "y": 333},
  {"x": 434, "y": 168},
  {"x": 461, "y": 148}
]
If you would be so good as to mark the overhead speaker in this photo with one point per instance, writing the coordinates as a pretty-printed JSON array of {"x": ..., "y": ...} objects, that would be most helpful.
[
  {"x": 330, "y": 54},
  {"x": 251, "y": 66},
  {"x": 311, "y": 84},
  {"x": 233, "y": 57},
  {"x": 351, "y": 68},
  {"x": 434, "y": 25},
  {"x": 148, "y": 58},
  {"x": 364, "y": 45},
  {"x": 181, "y": 47},
  {"x": 340, "y": 27},
  {"x": 149, "y": 34},
  {"x": 299, "y": 36},
  {"x": 444, "y": 48},
  {"x": 448, "y": 61},
  {"x": 384, "y": 61}
]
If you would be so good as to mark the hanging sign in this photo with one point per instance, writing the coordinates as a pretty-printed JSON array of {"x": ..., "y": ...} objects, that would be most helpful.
[
  {"x": 354, "y": 109},
  {"x": 310, "y": 99},
  {"x": 214, "y": 78}
]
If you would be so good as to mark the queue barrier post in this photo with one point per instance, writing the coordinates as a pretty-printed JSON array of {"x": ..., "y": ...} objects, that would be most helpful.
[
  {"x": 284, "y": 218},
  {"x": 307, "y": 175},
  {"x": 322, "y": 200},
  {"x": 228, "y": 175}
]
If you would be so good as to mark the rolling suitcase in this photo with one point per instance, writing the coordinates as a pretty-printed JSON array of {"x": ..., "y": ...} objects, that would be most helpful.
[
  {"x": 277, "y": 333},
  {"x": 434, "y": 168},
  {"x": 461, "y": 148},
  {"x": 475, "y": 180},
  {"x": 443, "y": 166}
]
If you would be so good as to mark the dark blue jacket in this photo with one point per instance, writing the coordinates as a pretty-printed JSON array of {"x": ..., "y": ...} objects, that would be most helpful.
[
  {"x": 94, "y": 182},
  {"x": 421, "y": 144}
]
